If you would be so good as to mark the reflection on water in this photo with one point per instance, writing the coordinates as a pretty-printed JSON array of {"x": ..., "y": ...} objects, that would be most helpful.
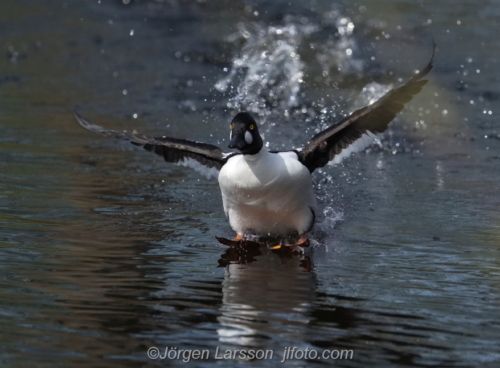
[
  {"x": 257, "y": 294},
  {"x": 106, "y": 251}
]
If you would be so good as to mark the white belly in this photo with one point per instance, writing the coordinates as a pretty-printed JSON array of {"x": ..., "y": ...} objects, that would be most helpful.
[{"x": 268, "y": 194}]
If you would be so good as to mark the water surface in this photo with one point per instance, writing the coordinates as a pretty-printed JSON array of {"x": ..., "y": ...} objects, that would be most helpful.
[{"x": 106, "y": 250}]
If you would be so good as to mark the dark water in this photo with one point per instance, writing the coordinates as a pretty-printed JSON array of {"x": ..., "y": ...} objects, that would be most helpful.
[{"x": 105, "y": 251}]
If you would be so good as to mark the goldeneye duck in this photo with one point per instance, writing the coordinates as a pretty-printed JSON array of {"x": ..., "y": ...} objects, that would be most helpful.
[
  {"x": 270, "y": 193},
  {"x": 265, "y": 193}
]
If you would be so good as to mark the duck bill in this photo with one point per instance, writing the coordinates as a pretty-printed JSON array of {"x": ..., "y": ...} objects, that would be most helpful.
[{"x": 238, "y": 142}]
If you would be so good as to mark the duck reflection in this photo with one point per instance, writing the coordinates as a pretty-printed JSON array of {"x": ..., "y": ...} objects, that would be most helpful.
[{"x": 264, "y": 294}]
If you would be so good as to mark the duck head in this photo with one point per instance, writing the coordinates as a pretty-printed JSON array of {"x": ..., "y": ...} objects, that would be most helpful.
[{"x": 245, "y": 136}]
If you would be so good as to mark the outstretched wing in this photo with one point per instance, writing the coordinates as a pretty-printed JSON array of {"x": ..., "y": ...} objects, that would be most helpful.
[
  {"x": 372, "y": 119},
  {"x": 203, "y": 157}
]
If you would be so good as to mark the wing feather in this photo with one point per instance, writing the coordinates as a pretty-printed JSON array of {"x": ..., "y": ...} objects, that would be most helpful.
[
  {"x": 375, "y": 118},
  {"x": 200, "y": 156}
]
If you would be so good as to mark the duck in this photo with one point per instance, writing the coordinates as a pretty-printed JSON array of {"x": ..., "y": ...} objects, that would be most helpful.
[{"x": 268, "y": 193}]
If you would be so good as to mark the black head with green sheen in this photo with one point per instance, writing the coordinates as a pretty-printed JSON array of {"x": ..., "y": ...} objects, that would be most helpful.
[{"x": 245, "y": 136}]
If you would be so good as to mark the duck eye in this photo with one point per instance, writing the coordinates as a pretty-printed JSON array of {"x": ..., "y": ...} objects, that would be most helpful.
[
  {"x": 230, "y": 126},
  {"x": 251, "y": 127}
]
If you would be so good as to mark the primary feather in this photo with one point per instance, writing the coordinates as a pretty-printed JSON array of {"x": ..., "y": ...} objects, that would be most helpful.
[
  {"x": 375, "y": 118},
  {"x": 203, "y": 157}
]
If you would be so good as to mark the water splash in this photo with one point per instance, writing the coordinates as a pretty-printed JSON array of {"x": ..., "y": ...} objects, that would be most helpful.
[
  {"x": 268, "y": 70},
  {"x": 371, "y": 93},
  {"x": 337, "y": 53},
  {"x": 332, "y": 218},
  {"x": 325, "y": 228},
  {"x": 268, "y": 73}
]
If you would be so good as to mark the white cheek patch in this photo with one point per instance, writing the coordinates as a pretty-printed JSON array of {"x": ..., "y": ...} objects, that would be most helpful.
[
  {"x": 248, "y": 137},
  {"x": 231, "y": 135}
]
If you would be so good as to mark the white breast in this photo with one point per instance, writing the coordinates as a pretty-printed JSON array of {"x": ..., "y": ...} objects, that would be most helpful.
[{"x": 267, "y": 193}]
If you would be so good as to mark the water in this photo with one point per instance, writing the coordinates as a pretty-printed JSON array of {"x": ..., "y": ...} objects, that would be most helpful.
[{"x": 106, "y": 250}]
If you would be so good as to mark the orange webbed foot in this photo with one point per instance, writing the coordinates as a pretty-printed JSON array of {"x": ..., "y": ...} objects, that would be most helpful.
[
  {"x": 303, "y": 242},
  {"x": 238, "y": 241}
]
